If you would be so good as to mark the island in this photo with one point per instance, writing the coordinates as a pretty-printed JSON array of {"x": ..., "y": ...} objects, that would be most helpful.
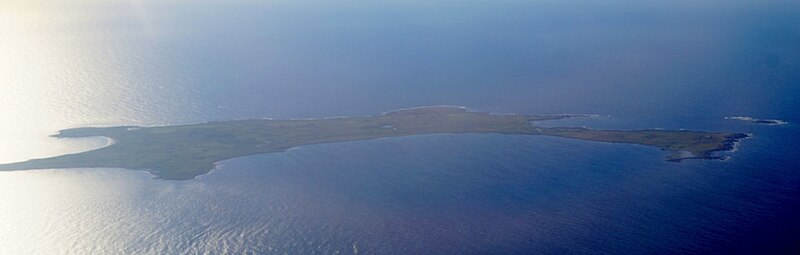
[
  {"x": 186, "y": 151},
  {"x": 768, "y": 122}
]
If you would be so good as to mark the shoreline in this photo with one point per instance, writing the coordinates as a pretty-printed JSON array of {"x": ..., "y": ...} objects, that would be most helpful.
[
  {"x": 109, "y": 142},
  {"x": 184, "y": 152},
  {"x": 730, "y": 145},
  {"x": 766, "y": 122}
]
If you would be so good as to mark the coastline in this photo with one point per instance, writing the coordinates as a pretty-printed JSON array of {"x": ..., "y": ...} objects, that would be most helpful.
[
  {"x": 730, "y": 145},
  {"x": 766, "y": 122},
  {"x": 187, "y": 151}
]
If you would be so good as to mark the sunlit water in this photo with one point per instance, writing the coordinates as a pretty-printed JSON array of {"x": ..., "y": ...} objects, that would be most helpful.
[{"x": 679, "y": 65}]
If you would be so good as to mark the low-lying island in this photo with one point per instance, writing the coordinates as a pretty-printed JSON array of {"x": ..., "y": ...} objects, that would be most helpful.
[{"x": 186, "y": 151}]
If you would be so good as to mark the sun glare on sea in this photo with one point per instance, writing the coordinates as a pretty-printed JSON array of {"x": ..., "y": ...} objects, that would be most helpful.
[
  {"x": 35, "y": 77},
  {"x": 57, "y": 72},
  {"x": 51, "y": 78}
]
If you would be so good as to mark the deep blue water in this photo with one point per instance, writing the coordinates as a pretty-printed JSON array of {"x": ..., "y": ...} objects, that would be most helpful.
[
  {"x": 517, "y": 194},
  {"x": 681, "y": 64}
]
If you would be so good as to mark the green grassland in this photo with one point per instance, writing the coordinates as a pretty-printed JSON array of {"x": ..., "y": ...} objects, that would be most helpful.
[{"x": 186, "y": 151}]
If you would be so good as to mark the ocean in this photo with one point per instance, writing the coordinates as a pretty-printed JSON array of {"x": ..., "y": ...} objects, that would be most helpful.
[{"x": 676, "y": 65}]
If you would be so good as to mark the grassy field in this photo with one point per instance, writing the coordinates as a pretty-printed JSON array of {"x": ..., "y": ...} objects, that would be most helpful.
[{"x": 186, "y": 151}]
